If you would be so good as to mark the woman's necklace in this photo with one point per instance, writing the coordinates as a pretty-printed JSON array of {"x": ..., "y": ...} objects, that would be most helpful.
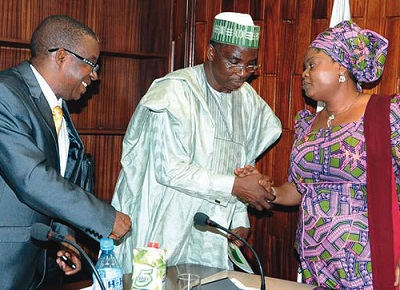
[{"x": 332, "y": 115}]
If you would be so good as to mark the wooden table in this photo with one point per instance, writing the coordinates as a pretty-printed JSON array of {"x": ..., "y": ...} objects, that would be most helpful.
[{"x": 207, "y": 274}]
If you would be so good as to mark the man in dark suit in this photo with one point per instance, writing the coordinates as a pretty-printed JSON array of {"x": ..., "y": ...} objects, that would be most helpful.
[{"x": 41, "y": 165}]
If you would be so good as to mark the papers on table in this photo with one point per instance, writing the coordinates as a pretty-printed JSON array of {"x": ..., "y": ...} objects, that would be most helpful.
[
  {"x": 236, "y": 256},
  {"x": 223, "y": 281}
]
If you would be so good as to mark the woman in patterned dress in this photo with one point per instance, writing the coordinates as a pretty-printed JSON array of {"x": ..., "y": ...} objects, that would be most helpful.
[{"x": 327, "y": 175}]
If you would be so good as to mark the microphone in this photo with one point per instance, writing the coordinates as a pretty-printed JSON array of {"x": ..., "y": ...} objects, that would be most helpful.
[
  {"x": 202, "y": 219},
  {"x": 44, "y": 233}
]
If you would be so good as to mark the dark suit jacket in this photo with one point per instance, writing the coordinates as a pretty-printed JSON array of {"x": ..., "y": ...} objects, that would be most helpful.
[{"x": 31, "y": 188}]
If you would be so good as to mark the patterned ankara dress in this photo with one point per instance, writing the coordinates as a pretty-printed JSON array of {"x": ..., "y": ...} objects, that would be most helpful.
[{"x": 328, "y": 167}]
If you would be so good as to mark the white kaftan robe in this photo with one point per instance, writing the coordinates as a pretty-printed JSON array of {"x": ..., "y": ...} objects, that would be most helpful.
[{"x": 179, "y": 154}]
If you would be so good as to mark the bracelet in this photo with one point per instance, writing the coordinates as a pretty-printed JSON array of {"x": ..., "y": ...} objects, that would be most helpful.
[{"x": 273, "y": 193}]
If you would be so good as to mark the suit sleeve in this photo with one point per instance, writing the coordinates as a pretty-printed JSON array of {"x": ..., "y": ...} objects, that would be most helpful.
[{"x": 27, "y": 166}]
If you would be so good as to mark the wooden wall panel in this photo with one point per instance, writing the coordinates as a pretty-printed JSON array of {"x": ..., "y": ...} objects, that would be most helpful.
[
  {"x": 303, "y": 36},
  {"x": 117, "y": 94},
  {"x": 20, "y": 17},
  {"x": 10, "y": 56},
  {"x": 269, "y": 40},
  {"x": 132, "y": 26},
  {"x": 392, "y": 8},
  {"x": 242, "y": 6},
  {"x": 372, "y": 19},
  {"x": 136, "y": 38},
  {"x": 281, "y": 157},
  {"x": 390, "y": 78},
  {"x": 201, "y": 42},
  {"x": 289, "y": 11},
  {"x": 182, "y": 48},
  {"x": 155, "y": 25},
  {"x": 358, "y": 8},
  {"x": 201, "y": 10},
  {"x": 227, "y": 5},
  {"x": 320, "y": 8},
  {"x": 112, "y": 34},
  {"x": 268, "y": 90},
  {"x": 112, "y": 107},
  {"x": 107, "y": 150},
  {"x": 213, "y": 8},
  {"x": 257, "y": 9},
  {"x": 285, "y": 64}
]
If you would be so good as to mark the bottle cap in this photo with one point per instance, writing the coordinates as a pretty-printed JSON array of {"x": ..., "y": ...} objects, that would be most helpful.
[
  {"x": 106, "y": 244},
  {"x": 153, "y": 245}
]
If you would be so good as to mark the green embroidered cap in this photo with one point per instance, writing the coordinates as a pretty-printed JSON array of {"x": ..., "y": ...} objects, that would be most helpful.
[{"x": 236, "y": 29}]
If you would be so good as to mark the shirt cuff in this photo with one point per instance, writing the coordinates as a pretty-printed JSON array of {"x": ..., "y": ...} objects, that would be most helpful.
[
  {"x": 222, "y": 184},
  {"x": 240, "y": 217}
]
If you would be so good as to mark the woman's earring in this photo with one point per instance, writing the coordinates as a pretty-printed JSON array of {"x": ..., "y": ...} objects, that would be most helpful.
[{"x": 342, "y": 77}]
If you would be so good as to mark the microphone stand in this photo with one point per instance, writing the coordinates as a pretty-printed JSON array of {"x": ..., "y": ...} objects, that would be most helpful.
[{"x": 215, "y": 225}]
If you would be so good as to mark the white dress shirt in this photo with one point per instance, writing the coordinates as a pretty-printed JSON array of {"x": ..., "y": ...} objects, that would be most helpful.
[{"x": 63, "y": 140}]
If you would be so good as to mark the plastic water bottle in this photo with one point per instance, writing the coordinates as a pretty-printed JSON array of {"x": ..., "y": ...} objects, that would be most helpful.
[{"x": 108, "y": 267}]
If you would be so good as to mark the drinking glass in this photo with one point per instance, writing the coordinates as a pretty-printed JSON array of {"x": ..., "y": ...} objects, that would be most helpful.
[{"x": 188, "y": 281}]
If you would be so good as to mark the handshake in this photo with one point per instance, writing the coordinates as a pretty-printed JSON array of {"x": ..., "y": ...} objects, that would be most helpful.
[{"x": 253, "y": 188}]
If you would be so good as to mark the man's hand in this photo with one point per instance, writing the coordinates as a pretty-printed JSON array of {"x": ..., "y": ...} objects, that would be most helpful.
[
  {"x": 241, "y": 232},
  {"x": 246, "y": 170},
  {"x": 71, "y": 253},
  {"x": 248, "y": 190},
  {"x": 122, "y": 225}
]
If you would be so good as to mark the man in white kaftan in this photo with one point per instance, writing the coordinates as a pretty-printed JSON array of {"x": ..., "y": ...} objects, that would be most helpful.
[{"x": 182, "y": 145}]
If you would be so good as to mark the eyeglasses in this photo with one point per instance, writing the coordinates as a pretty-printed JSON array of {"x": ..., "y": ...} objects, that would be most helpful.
[
  {"x": 95, "y": 66},
  {"x": 237, "y": 68}
]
